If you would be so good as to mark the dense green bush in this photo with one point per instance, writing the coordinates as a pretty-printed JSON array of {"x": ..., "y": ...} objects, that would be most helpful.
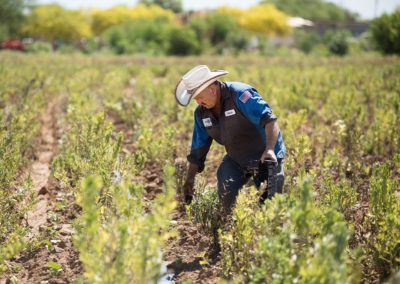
[
  {"x": 142, "y": 36},
  {"x": 289, "y": 240},
  {"x": 313, "y": 9},
  {"x": 386, "y": 33},
  {"x": 183, "y": 41},
  {"x": 216, "y": 29},
  {"x": 306, "y": 41},
  {"x": 39, "y": 47},
  {"x": 337, "y": 41}
]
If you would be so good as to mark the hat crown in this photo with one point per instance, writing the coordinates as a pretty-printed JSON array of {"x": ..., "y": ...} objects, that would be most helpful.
[{"x": 195, "y": 77}]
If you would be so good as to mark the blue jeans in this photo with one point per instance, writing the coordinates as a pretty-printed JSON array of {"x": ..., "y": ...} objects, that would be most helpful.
[{"x": 232, "y": 177}]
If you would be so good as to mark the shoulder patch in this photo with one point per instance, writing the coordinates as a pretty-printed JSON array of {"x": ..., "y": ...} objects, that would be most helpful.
[
  {"x": 245, "y": 97},
  {"x": 207, "y": 122}
]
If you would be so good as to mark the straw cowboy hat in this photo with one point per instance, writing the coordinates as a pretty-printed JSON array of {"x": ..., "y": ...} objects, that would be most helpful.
[{"x": 195, "y": 81}]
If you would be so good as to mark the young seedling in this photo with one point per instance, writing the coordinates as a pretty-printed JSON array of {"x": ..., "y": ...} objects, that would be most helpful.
[{"x": 54, "y": 268}]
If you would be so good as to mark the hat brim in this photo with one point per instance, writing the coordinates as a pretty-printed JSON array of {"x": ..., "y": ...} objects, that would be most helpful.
[{"x": 183, "y": 97}]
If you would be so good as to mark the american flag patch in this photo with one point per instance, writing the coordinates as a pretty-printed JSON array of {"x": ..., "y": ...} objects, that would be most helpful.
[{"x": 245, "y": 97}]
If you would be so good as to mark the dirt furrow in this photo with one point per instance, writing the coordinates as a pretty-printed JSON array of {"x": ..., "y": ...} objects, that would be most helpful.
[
  {"x": 50, "y": 218},
  {"x": 40, "y": 171}
]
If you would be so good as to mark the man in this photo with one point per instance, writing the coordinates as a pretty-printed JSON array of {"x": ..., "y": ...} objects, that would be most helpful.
[{"x": 236, "y": 116}]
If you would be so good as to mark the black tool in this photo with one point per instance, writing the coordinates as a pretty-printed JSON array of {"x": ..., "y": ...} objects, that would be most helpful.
[{"x": 267, "y": 173}]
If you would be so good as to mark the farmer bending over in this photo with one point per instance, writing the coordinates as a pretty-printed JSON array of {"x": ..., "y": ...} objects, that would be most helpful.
[{"x": 236, "y": 116}]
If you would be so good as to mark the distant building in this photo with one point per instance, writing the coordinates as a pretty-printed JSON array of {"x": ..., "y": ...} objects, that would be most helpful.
[
  {"x": 356, "y": 28},
  {"x": 297, "y": 22}
]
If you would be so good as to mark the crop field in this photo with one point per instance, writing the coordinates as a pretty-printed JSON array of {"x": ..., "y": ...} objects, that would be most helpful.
[{"x": 93, "y": 157}]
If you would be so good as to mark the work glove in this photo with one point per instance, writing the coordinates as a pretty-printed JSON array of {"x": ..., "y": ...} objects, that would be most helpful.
[
  {"x": 188, "y": 199},
  {"x": 267, "y": 172},
  {"x": 188, "y": 192}
]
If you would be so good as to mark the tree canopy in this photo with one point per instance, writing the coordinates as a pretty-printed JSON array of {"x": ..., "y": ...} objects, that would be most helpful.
[
  {"x": 174, "y": 5},
  {"x": 313, "y": 9},
  {"x": 263, "y": 18},
  {"x": 53, "y": 22},
  {"x": 11, "y": 15},
  {"x": 104, "y": 19}
]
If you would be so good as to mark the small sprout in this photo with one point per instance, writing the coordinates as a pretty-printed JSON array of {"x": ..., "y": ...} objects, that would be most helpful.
[
  {"x": 49, "y": 245},
  {"x": 54, "y": 268}
]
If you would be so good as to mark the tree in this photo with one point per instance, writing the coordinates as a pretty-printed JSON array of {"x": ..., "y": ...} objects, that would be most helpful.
[
  {"x": 265, "y": 19},
  {"x": 149, "y": 36},
  {"x": 385, "y": 32},
  {"x": 183, "y": 41},
  {"x": 338, "y": 41},
  {"x": 104, "y": 19},
  {"x": 174, "y": 5},
  {"x": 313, "y": 9},
  {"x": 53, "y": 22},
  {"x": 11, "y": 15},
  {"x": 214, "y": 27}
]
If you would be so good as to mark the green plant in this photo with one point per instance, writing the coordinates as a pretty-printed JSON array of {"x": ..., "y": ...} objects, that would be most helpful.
[
  {"x": 384, "y": 243},
  {"x": 120, "y": 242},
  {"x": 337, "y": 41},
  {"x": 288, "y": 239},
  {"x": 385, "y": 32},
  {"x": 183, "y": 41},
  {"x": 54, "y": 268},
  {"x": 206, "y": 209}
]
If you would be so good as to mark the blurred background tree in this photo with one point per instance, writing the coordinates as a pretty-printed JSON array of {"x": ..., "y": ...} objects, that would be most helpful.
[
  {"x": 337, "y": 41},
  {"x": 104, "y": 19},
  {"x": 385, "y": 32},
  {"x": 148, "y": 36},
  {"x": 52, "y": 22},
  {"x": 313, "y": 10},
  {"x": 12, "y": 16},
  {"x": 265, "y": 19},
  {"x": 157, "y": 27},
  {"x": 183, "y": 41},
  {"x": 174, "y": 5}
]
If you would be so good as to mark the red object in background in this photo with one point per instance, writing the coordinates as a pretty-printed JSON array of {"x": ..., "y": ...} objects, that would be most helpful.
[{"x": 15, "y": 44}]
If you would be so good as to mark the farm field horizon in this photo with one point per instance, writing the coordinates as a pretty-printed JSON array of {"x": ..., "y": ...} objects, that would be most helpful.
[{"x": 93, "y": 158}]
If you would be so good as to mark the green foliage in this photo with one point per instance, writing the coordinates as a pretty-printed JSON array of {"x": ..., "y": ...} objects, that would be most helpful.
[
  {"x": 313, "y": 9},
  {"x": 11, "y": 246},
  {"x": 174, "y": 5},
  {"x": 337, "y": 41},
  {"x": 205, "y": 208},
  {"x": 39, "y": 47},
  {"x": 142, "y": 36},
  {"x": 54, "y": 268},
  {"x": 339, "y": 195},
  {"x": 239, "y": 41},
  {"x": 157, "y": 146},
  {"x": 289, "y": 239},
  {"x": 12, "y": 15},
  {"x": 18, "y": 130},
  {"x": 306, "y": 41},
  {"x": 90, "y": 149},
  {"x": 53, "y": 22},
  {"x": 183, "y": 41},
  {"x": 219, "y": 27},
  {"x": 386, "y": 32},
  {"x": 384, "y": 220},
  {"x": 121, "y": 243}
]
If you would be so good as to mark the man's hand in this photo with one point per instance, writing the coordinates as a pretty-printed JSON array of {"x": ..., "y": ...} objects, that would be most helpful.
[
  {"x": 188, "y": 186},
  {"x": 188, "y": 191},
  {"x": 268, "y": 155}
]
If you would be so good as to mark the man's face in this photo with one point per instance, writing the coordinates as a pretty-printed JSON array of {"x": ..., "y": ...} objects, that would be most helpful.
[{"x": 207, "y": 97}]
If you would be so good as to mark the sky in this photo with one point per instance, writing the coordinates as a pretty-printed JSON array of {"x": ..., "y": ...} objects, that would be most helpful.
[{"x": 365, "y": 8}]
